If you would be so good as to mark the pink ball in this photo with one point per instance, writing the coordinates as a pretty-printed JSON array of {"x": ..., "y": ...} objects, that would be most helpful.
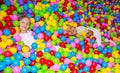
[
  {"x": 56, "y": 67},
  {"x": 72, "y": 45},
  {"x": 70, "y": 20},
  {"x": 49, "y": 44},
  {"x": 1, "y": 51},
  {"x": 14, "y": 17},
  {"x": 95, "y": 46},
  {"x": 52, "y": 68},
  {"x": 78, "y": 56},
  {"x": 40, "y": 35},
  {"x": 88, "y": 63},
  {"x": 17, "y": 38},
  {"x": 36, "y": 24},
  {"x": 65, "y": 15},
  {"x": 98, "y": 67},
  {"x": 53, "y": 48},
  {"x": 56, "y": 33},
  {"x": 16, "y": 69},
  {"x": 66, "y": 61},
  {"x": 0, "y": 32},
  {"x": 77, "y": 41}
]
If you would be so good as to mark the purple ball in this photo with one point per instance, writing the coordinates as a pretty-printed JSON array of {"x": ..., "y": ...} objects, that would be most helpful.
[
  {"x": 100, "y": 61},
  {"x": 19, "y": 47},
  {"x": 21, "y": 2},
  {"x": 34, "y": 3},
  {"x": 32, "y": 50},
  {"x": 29, "y": 11},
  {"x": 68, "y": 40}
]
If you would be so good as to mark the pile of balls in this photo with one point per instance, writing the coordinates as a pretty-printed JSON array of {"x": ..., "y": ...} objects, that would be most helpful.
[{"x": 75, "y": 54}]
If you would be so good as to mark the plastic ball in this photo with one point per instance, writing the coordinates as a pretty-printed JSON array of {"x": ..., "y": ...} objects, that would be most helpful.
[
  {"x": 16, "y": 63},
  {"x": 44, "y": 67},
  {"x": 71, "y": 65},
  {"x": 37, "y": 18},
  {"x": 1, "y": 51},
  {"x": 19, "y": 47},
  {"x": 18, "y": 56},
  {"x": 13, "y": 31},
  {"x": 38, "y": 65},
  {"x": 4, "y": 7},
  {"x": 60, "y": 31},
  {"x": 9, "y": 42},
  {"x": 66, "y": 61},
  {"x": 8, "y": 70},
  {"x": 1, "y": 58},
  {"x": 80, "y": 65},
  {"x": 39, "y": 54},
  {"x": 33, "y": 69},
  {"x": 34, "y": 45},
  {"x": 24, "y": 70},
  {"x": 6, "y": 32},
  {"x": 13, "y": 50},
  {"x": 16, "y": 23},
  {"x": 33, "y": 57},
  {"x": 27, "y": 61},
  {"x": 17, "y": 38},
  {"x": 63, "y": 38},
  {"x": 7, "y": 54},
  {"x": 0, "y": 32},
  {"x": 16, "y": 69},
  {"x": 63, "y": 67},
  {"x": 14, "y": 17},
  {"x": 88, "y": 63},
  {"x": 8, "y": 61},
  {"x": 25, "y": 49},
  {"x": 2, "y": 66}
]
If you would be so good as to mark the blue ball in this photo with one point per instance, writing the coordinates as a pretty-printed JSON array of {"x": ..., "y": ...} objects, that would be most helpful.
[
  {"x": 6, "y": 32},
  {"x": 104, "y": 64},
  {"x": 24, "y": 70},
  {"x": 25, "y": 7},
  {"x": 86, "y": 68},
  {"x": 46, "y": 50},
  {"x": 33, "y": 69},
  {"x": 48, "y": 33},
  {"x": 8, "y": 3},
  {"x": 37, "y": 18},
  {"x": 2, "y": 66},
  {"x": 7, "y": 61},
  {"x": 60, "y": 31},
  {"x": 100, "y": 48},
  {"x": 37, "y": 31},
  {"x": 18, "y": 56},
  {"x": 118, "y": 47},
  {"x": 16, "y": 63},
  {"x": 34, "y": 45},
  {"x": 57, "y": 55},
  {"x": 27, "y": 61},
  {"x": 63, "y": 38},
  {"x": 63, "y": 67},
  {"x": 42, "y": 28},
  {"x": 33, "y": 56}
]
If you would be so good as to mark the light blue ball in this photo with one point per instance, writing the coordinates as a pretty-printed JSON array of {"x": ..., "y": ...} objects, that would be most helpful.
[
  {"x": 63, "y": 38},
  {"x": 63, "y": 67},
  {"x": 60, "y": 31},
  {"x": 33, "y": 56},
  {"x": 34, "y": 45},
  {"x": 6, "y": 32},
  {"x": 37, "y": 18},
  {"x": 2, "y": 66},
  {"x": 16, "y": 63},
  {"x": 8, "y": 3},
  {"x": 7, "y": 61},
  {"x": 27, "y": 61},
  {"x": 24, "y": 70},
  {"x": 18, "y": 56},
  {"x": 33, "y": 69}
]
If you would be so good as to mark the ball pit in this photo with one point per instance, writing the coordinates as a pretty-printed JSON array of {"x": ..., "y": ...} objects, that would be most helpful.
[{"x": 49, "y": 20}]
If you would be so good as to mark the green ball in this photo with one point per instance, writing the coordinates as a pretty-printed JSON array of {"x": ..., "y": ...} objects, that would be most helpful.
[
  {"x": 85, "y": 56},
  {"x": 51, "y": 71},
  {"x": 117, "y": 61},
  {"x": 36, "y": 12},
  {"x": 101, "y": 56},
  {"x": 68, "y": 46},
  {"x": 17, "y": 5},
  {"x": 52, "y": 30},
  {"x": 15, "y": 12},
  {"x": 8, "y": 70},
  {"x": 19, "y": 9},
  {"x": 2, "y": 58},
  {"x": 4, "y": 7},
  {"x": 47, "y": 55},
  {"x": 74, "y": 50},
  {"x": 61, "y": 50},
  {"x": 65, "y": 54},
  {"x": 82, "y": 23},
  {"x": 31, "y": 6},
  {"x": 21, "y": 43},
  {"x": 13, "y": 58},
  {"x": 31, "y": 26},
  {"x": 90, "y": 55},
  {"x": 3, "y": 23},
  {"x": 58, "y": 41},
  {"x": 40, "y": 71},
  {"x": 81, "y": 38},
  {"x": 55, "y": 60},
  {"x": 38, "y": 65},
  {"x": 16, "y": 23},
  {"x": 106, "y": 59},
  {"x": 60, "y": 71},
  {"x": 44, "y": 67},
  {"x": 53, "y": 43}
]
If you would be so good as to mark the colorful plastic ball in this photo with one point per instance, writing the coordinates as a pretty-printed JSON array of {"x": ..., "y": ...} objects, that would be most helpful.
[
  {"x": 8, "y": 70},
  {"x": 0, "y": 32},
  {"x": 25, "y": 7},
  {"x": 14, "y": 17},
  {"x": 7, "y": 54},
  {"x": 37, "y": 18},
  {"x": 16, "y": 63},
  {"x": 88, "y": 63},
  {"x": 34, "y": 45},
  {"x": 33, "y": 62},
  {"x": 13, "y": 31},
  {"x": 9, "y": 42},
  {"x": 4, "y": 7},
  {"x": 16, "y": 23},
  {"x": 104, "y": 64},
  {"x": 19, "y": 47},
  {"x": 38, "y": 65},
  {"x": 40, "y": 35},
  {"x": 1, "y": 51},
  {"x": 81, "y": 65},
  {"x": 6, "y": 32},
  {"x": 2, "y": 66},
  {"x": 25, "y": 49},
  {"x": 63, "y": 38},
  {"x": 8, "y": 3},
  {"x": 44, "y": 67},
  {"x": 42, "y": 61},
  {"x": 86, "y": 69},
  {"x": 71, "y": 65},
  {"x": 49, "y": 63},
  {"x": 33, "y": 56},
  {"x": 1, "y": 58},
  {"x": 60, "y": 31},
  {"x": 57, "y": 55},
  {"x": 63, "y": 67},
  {"x": 16, "y": 69},
  {"x": 17, "y": 38},
  {"x": 33, "y": 69},
  {"x": 18, "y": 56},
  {"x": 24, "y": 70},
  {"x": 7, "y": 61},
  {"x": 39, "y": 54},
  {"x": 13, "y": 50},
  {"x": 27, "y": 61}
]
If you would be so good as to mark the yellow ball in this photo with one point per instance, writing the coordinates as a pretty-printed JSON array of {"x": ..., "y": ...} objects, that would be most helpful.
[
  {"x": 21, "y": 63},
  {"x": 54, "y": 37},
  {"x": 9, "y": 42},
  {"x": 42, "y": 46},
  {"x": 37, "y": 59},
  {"x": 46, "y": 15},
  {"x": 3, "y": 45},
  {"x": 41, "y": 23},
  {"x": 4, "y": 38},
  {"x": 17, "y": 29},
  {"x": 111, "y": 59},
  {"x": 13, "y": 50},
  {"x": 83, "y": 33},
  {"x": 39, "y": 41},
  {"x": 48, "y": 27},
  {"x": 32, "y": 20},
  {"x": 25, "y": 49},
  {"x": 67, "y": 70}
]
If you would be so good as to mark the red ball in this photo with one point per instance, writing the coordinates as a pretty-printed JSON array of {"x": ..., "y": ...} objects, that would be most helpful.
[
  {"x": 42, "y": 18},
  {"x": 94, "y": 64},
  {"x": 71, "y": 65},
  {"x": 109, "y": 55},
  {"x": 1, "y": 25},
  {"x": 59, "y": 35},
  {"x": 64, "y": 9},
  {"x": 52, "y": 52},
  {"x": 78, "y": 47},
  {"x": 87, "y": 46},
  {"x": 92, "y": 69},
  {"x": 33, "y": 62},
  {"x": 80, "y": 65},
  {"x": 42, "y": 61},
  {"x": 96, "y": 52},
  {"x": 25, "y": 1},
  {"x": 7, "y": 18},
  {"x": 9, "y": 24},
  {"x": 46, "y": 38},
  {"x": 12, "y": 8},
  {"x": 86, "y": 51},
  {"x": 9, "y": 12},
  {"x": 13, "y": 31},
  {"x": 39, "y": 54},
  {"x": 33, "y": 15},
  {"x": 74, "y": 71},
  {"x": 7, "y": 53},
  {"x": 86, "y": 41},
  {"x": 62, "y": 44},
  {"x": 83, "y": 72},
  {"x": 62, "y": 59},
  {"x": 49, "y": 63},
  {"x": 66, "y": 35}
]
